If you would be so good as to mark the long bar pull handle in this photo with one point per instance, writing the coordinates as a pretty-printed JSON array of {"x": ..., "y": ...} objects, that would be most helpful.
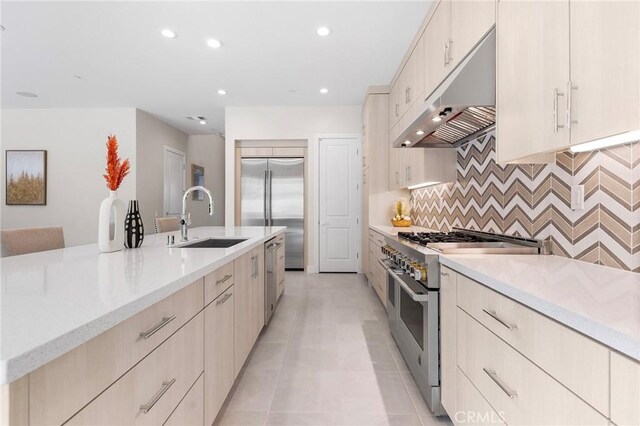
[
  {"x": 223, "y": 279},
  {"x": 556, "y": 125},
  {"x": 165, "y": 387},
  {"x": 270, "y": 198},
  {"x": 153, "y": 330},
  {"x": 496, "y": 317},
  {"x": 253, "y": 267},
  {"x": 570, "y": 88},
  {"x": 445, "y": 53},
  {"x": 264, "y": 198},
  {"x": 224, "y": 299},
  {"x": 492, "y": 374},
  {"x": 450, "y": 56}
]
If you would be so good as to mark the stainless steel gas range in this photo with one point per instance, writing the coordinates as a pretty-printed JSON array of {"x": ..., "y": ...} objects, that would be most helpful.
[{"x": 413, "y": 280}]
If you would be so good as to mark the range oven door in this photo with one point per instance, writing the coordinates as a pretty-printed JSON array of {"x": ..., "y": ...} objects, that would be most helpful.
[{"x": 417, "y": 335}]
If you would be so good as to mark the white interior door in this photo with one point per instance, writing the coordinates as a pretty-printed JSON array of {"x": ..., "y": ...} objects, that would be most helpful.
[
  {"x": 174, "y": 178},
  {"x": 338, "y": 205}
]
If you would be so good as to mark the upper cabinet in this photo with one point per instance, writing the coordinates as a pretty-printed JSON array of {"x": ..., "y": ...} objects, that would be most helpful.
[
  {"x": 453, "y": 31},
  {"x": 437, "y": 37},
  {"x": 568, "y": 72},
  {"x": 605, "y": 68}
]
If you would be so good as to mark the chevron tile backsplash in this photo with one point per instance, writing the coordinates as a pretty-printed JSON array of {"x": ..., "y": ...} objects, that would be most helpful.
[{"x": 534, "y": 200}]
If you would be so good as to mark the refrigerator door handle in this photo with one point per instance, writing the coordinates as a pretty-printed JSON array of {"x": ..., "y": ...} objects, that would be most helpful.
[
  {"x": 270, "y": 198},
  {"x": 264, "y": 199}
]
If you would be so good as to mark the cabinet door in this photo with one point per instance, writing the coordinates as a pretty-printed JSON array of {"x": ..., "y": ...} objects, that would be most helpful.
[
  {"x": 244, "y": 269},
  {"x": 394, "y": 105},
  {"x": 448, "y": 336},
  {"x": 394, "y": 168},
  {"x": 416, "y": 159},
  {"x": 532, "y": 75},
  {"x": 219, "y": 371},
  {"x": 471, "y": 20},
  {"x": 436, "y": 41},
  {"x": 605, "y": 68}
]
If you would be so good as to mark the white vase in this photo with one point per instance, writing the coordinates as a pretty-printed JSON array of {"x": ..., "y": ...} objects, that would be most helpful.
[{"x": 111, "y": 223}]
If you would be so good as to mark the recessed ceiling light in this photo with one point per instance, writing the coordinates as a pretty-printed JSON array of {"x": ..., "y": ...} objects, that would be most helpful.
[
  {"x": 203, "y": 122},
  {"x": 213, "y": 43},
  {"x": 77, "y": 76},
  {"x": 222, "y": 92},
  {"x": 168, "y": 33},
  {"x": 324, "y": 90},
  {"x": 323, "y": 31},
  {"x": 27, "y": 94},
  {"x": 436, "y": 118},
  {"x": 420, "y": 132},
  {"x": 406, "y": 143}
]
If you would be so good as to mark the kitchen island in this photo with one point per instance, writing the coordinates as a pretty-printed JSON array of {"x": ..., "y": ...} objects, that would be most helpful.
[{"x": 79, "y": 312}]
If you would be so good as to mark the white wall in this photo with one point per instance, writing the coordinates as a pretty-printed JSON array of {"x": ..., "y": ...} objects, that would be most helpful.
[
  {"x": 207, "y": 151},
  {"x": 152, "y": 136},
  {"x": 278, "y": 123},
  {"x": 76, "y": 155}
]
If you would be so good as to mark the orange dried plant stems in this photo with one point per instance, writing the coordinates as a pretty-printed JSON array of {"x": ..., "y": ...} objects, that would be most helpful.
[{"x": 115, "y": 170}]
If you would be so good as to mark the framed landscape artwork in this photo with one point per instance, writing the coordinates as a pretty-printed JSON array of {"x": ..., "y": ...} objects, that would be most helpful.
[
  {"x": 197, "y": 178},
  {"x": 26, "y": 177}
]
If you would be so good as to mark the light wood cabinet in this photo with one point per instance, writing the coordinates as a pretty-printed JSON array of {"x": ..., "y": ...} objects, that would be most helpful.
[
  {"x": 394, "y": 167},
  {"x": 513, "y": 385},
  {"x": 532, "y": 73},
  {"x": 249, "y": 303},
  {"x": 448, "y": 344},
  {"x": 217, "y": 282},
  {"x": 437, "y": 37},
  {"x": 422, "y": 165},
  {"x": 219, "y": 366},
  {"x": 625, "y": 390},
  {"x": 605, "y": 68},
  {"x": 576, "y": 361},
  {"x": 148, "y": 393},
  {"x": 568, "y": 72},
  {"x": 477, "y": 410},
  {"x": 115, "y": 351},
  {"x": 471, "y": 20},
  {"x": 190, "y": 411}
]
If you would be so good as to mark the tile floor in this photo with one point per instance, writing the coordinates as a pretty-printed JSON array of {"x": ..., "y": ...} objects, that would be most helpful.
[{"x": 326, "y": 358}]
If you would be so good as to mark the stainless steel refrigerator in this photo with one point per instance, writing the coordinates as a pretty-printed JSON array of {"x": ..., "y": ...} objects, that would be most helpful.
[{"x": 272, "y": 191}]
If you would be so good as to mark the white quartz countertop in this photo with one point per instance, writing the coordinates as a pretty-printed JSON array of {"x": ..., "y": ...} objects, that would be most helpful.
[
  {"x": 52, "y": 302},
  {"x": 600, "y": 302}
]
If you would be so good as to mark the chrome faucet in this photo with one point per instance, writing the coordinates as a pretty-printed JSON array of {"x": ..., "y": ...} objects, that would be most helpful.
[{"x": 185, "y": 219}]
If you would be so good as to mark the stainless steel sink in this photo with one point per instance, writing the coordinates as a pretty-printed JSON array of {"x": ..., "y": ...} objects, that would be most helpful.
[{"x": 213, "y": 243}]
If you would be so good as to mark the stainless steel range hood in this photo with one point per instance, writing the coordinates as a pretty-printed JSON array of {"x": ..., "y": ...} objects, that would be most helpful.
[{"x": 463, "y": 105}]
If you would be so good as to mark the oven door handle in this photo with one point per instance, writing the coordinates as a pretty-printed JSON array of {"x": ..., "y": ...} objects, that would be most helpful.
[
  {"x": 384, "y": 265},
  {"x": 415, "y": 296}
]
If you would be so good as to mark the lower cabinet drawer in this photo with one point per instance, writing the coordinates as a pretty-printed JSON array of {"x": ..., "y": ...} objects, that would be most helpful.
[
  {"x": 190, "y": 412},
  {"x": 475, "y": 409},
  {"x": 521, "y": 392},
  {"x": 576, "y": 361},
  {"x": 92, "y": 367},
  {"x": 149, "y": 393},
  {"x": 217, "y": 282}
]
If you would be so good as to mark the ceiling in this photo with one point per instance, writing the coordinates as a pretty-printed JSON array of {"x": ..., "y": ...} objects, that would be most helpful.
[{"x": 271, "y": 54}]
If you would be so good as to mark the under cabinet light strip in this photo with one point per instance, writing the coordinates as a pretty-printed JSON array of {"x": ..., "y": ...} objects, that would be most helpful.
[{"x": 607, "y": 142}]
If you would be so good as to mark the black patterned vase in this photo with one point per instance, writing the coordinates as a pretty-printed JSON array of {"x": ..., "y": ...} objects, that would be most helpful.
[{"x": 133, "y": 227}]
